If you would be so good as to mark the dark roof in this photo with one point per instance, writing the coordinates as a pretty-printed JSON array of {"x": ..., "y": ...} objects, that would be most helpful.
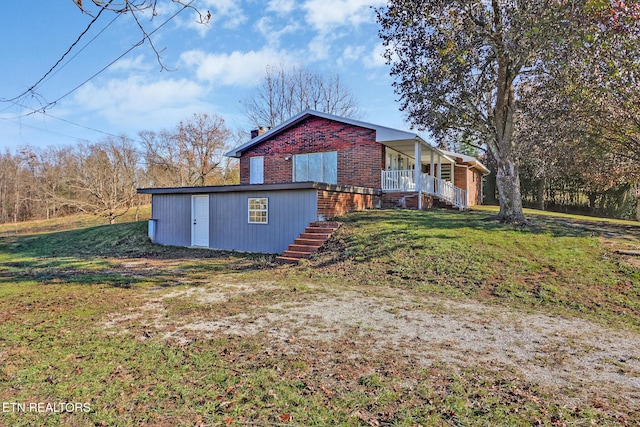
[
  {"x": 382, "y": 133},
  {"x": 260, "y": 187}
]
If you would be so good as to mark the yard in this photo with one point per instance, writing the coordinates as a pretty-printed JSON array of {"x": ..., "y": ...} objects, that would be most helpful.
[{"x": 405, "y": 318}]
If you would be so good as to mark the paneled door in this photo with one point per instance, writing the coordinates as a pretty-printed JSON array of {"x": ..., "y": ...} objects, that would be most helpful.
[{"x": 200, "y": 221}]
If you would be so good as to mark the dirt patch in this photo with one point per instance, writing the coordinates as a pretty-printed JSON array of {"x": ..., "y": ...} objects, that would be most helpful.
[{"x": 563, "y": 354}]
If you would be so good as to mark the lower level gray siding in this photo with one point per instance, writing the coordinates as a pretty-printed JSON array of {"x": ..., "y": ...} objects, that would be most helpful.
[
  {"x": 290, "y": 212},
  {"x": 173, "y": 215}
]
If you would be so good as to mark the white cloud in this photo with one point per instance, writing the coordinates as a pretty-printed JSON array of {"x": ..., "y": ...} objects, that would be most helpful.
[
  {"x": 320, "y": 47},
  {"x": 352, "y": 53},
  {"x": 281, "y": 7},
  {"x": 131, "y": 64},
  {"x": 227, "y": 14},
  {"x": 138, "y": 104},
  {"x": 274, "y": 30},
  {"x": 236, "y": 68},
  {"x": 325, "y": 15},
  {"x": 376, "y": 58},
  {"x": 227, "y": 11},
  {"x": 336, "y": 19}
]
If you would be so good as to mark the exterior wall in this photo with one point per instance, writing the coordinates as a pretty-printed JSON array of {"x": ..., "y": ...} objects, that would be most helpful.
[
  {"x": 406, "y": 200},
  {"x": 335, "y": 203},
  {"x": 470, "y": 179},
  {"x": 173, "y": 215},
  {"x": 290, "y": 212},
  {"x": 360, "y": 157},
  {"x": 475, "y": 185},
  {"x": 461, "y": 177}
]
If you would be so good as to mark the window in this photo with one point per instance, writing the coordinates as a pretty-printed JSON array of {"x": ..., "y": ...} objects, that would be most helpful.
[
  {"x": 445, "y": 174},
  {"x": 398, "y": 161},
  {"x": 258, "y": 210},
  {"x": 256, "y": 170},
  {"x": 318, "y": 167}
]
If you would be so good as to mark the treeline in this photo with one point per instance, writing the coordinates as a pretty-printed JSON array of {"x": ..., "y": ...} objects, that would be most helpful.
[
  {"x": 101, "y": 178},
  {"x": 574, "y": 177}
]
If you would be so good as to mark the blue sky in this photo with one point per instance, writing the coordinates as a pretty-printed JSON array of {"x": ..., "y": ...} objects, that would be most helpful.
[{"x": 215, "y": 66}]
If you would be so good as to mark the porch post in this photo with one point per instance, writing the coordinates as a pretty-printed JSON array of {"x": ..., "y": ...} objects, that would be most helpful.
[
  {"x": 453, "y": 172},
  {"x": 417, "y": 165},
  {"x": 439, "y": 167},
  {"x": 432, "y": 165}
]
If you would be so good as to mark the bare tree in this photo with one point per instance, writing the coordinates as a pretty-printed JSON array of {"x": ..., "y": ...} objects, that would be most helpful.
[
  {"x": 9, "y": 187},
  {"x": 48, "y": 173},
  {"x": 104, "y": 178},
  {"x": 284, "y": 93},
  {"x": 190, "y": 155}
]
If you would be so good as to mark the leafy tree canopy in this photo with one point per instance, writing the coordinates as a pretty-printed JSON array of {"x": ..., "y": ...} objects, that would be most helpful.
[{"x": 462, "y": 67}]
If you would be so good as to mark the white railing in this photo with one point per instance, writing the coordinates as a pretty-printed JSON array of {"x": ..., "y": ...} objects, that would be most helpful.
[
  {"x": 449, "y": 192},
  {"x": 399, "y": 180},
  {"x": 404, "y": 180}
]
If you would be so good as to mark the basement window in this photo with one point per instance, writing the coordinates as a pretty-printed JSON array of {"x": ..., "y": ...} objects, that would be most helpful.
[{"x": 258, "y": 210}]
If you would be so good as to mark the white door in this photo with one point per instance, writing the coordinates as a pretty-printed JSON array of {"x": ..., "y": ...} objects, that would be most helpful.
[{"x": 200, "y": 221}]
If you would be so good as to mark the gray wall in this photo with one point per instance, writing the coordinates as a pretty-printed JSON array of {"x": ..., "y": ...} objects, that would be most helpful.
[
  {"x": 173, "y": 213},
  {"x": 290, "y": 212}
]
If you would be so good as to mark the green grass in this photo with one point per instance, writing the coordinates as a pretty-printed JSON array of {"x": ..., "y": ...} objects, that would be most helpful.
[
  {"x": 537, "y": 213},
  {"x": 70, "y": 222},
  {"x": 59, "y": 290},
  {"x": 551, "y": 265}
]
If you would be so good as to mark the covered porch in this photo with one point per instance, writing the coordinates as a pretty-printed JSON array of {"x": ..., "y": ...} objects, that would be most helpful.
[{"x": 420, "y": 168}]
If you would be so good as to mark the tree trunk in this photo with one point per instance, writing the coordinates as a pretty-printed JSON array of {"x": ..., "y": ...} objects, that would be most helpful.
[
  {"x": 638, "y": 209},
  {"x": 504, "y": 151},
  {"x": 508, "y": 183},
  {"x": 540, "y": 194},
  {"x": 592, "y": 202}
]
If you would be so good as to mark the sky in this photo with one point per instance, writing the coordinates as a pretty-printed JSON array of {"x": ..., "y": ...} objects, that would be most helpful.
[{"x": 212, "y": 68}]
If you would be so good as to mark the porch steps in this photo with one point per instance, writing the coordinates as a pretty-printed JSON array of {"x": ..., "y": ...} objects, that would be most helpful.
[
  {"x": 443, "y": 203},
  {"x": 313, "y": 237}
]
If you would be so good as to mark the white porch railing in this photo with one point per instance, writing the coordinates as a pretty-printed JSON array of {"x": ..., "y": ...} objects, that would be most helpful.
[{"x": 404, "y": 180}]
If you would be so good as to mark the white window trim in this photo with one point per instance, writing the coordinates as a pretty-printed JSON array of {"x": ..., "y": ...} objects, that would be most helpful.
[
  {"x": 324, "y": 153},
  {"x": 265, "y": 210},
  {"x": 253, "y": 178}
]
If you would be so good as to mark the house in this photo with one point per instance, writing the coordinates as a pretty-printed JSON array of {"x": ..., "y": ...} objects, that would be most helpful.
[
  {"x": 311, "y": 168},
  {"x": 320, "y": 147}
]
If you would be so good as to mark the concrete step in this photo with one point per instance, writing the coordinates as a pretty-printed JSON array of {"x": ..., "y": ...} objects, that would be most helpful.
[
  {"x": 315, "y": 236},
  {"x": 296, "y": 254},
  {"x": 318, "y": 230},
  {"x": 325, "y": 224},
  {"x": 310, "y": 242},
  {"x": 304, "y": 248},
  {"x": 287, "y": 260}
]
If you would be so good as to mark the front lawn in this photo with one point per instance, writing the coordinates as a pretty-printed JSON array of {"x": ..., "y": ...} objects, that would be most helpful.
[{"x": 405, "y": 318}]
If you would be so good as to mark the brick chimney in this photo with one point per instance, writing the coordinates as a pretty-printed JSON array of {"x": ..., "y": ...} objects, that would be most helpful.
[{"x": 257, "y": 132}]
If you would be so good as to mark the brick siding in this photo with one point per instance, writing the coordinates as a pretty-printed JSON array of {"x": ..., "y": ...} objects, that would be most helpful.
[
  {"x": 335, "y": 203},
  {"x": 470, "y": 179},
  {"x": 475, "y": 185},
  {"x": 360, "y": 157},
  {"x": 406, "y": 200}
]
